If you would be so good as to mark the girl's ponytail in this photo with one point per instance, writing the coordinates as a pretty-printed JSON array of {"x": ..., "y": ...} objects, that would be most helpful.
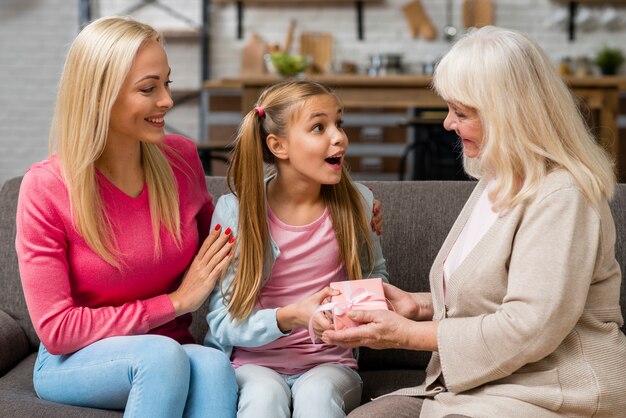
[{"x": 245, "y": 179}]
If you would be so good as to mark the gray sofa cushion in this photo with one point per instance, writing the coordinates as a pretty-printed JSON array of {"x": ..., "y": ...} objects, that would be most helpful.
[
  {"x": 381, "y": 382},
  {"x": 618, "y": 207},
  {"x": 13, "y": 343}
]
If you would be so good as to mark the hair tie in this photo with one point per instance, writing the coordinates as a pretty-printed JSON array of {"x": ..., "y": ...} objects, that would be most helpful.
[{"x": 259, "y": 111}]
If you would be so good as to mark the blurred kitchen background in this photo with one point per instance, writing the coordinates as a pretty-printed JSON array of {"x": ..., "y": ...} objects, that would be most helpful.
[{"x": 378, "y": 53}]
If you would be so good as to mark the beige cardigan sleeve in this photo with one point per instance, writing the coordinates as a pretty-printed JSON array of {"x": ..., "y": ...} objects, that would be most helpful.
[{"x": 552, "y": 260}]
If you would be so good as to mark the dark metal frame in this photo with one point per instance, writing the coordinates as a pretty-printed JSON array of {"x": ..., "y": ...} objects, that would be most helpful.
[{"x": 358, "y": 4}]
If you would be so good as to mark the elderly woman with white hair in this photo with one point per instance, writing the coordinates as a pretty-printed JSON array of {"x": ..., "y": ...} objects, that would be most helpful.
[{"x": 523, "y": 317}]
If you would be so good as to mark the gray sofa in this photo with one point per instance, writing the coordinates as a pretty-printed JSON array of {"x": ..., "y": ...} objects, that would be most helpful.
[{"x": 417, "y": 214}]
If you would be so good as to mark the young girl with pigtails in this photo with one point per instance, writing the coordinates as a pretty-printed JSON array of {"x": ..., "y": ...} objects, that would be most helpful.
[{"x": 299, "y": 229}]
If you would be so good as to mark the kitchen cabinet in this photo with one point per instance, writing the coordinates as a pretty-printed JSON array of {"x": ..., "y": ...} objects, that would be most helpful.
[{"x": 393, "y": 101}]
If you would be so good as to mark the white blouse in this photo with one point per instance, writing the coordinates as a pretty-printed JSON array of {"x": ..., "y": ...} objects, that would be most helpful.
[{"x": 477, "y": 225}]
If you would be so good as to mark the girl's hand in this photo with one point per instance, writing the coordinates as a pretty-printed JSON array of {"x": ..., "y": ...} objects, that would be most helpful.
[
  {"x": 321, "y": 321},
  {"x": 402, "y": 302},
  {"x": 415, "y": 306},
  {"x": 205, "y": 269},
  {"x": 297, "y": 314},
  {"x": 377, "y": 218}
]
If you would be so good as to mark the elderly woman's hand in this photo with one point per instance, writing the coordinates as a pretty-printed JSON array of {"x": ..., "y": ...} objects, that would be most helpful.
[{"x": 385, "y": 329}]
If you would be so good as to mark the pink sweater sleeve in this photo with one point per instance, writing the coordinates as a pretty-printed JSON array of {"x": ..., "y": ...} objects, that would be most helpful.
[{"x": 42, "y": 243}]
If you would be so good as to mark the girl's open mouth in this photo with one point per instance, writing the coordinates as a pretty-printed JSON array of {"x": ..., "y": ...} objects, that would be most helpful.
[{"x": 333, "y": 160}]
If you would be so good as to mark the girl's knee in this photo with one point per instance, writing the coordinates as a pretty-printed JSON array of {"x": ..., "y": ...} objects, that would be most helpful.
[
  {"x": 328, "y": 380},
  {"x": 330, "y": 389},
  {"x": 264, "y": 393}
]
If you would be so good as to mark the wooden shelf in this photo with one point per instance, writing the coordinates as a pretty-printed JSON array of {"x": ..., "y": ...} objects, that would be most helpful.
[{"x": 599, "y": 96}]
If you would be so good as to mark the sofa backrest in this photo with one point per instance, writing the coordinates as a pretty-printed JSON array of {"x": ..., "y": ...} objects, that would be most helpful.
[
  {"x": 418, "y": 216},
  {"x": 11, "y": 297}
]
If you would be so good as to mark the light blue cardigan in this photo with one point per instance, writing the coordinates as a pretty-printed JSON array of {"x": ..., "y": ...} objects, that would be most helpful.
[{"x": 260, "y": 327}]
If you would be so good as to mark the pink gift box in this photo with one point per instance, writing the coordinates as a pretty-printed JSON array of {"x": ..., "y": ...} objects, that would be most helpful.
[{"x": 366, "y": 294}]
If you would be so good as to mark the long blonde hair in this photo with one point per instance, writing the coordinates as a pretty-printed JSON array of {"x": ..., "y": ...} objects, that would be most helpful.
[
  {"x": 246, "y": 180},
  {"x": 531, "y": 121},
  {"x": 97, "y": 64}
]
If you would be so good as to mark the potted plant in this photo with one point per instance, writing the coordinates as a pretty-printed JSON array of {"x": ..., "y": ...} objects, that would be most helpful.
[
  {"x": 609, "y": 60},
  {"x": 287, "y": 65}
]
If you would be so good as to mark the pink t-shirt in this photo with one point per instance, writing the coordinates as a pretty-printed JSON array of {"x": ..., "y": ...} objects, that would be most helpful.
[
  {"x": 307, "y": 263},
  {"x": 74, "y": 297}
]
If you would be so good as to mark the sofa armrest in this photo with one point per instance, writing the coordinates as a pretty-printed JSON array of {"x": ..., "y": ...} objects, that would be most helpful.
[{"x": 13, "y": 343}]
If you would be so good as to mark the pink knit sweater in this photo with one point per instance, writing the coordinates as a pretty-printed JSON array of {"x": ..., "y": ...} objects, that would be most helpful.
[{"x": 74, "y": 297}]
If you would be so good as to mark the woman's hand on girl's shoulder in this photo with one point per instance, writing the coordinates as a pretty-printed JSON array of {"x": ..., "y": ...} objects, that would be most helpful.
[
  {"x": 205, "y": 269},
  {"x": 377, "y": 217}
]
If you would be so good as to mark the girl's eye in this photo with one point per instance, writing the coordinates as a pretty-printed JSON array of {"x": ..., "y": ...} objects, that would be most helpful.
[
  {"x": 167, "y": 83},
  {"x": 318, "y": 128},
  {"x": 339, "y": 124}
]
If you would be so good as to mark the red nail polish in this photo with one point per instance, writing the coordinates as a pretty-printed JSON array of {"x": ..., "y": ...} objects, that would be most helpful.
[
  {"x": 227, "y": 232},
  {"x": 218, "y": 227},
  {"x": 376, "y": 211},
  {"x": 232, "y": 239}
]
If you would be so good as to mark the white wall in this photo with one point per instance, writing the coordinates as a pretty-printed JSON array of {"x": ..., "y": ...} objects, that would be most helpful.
[{"x": 34, "y": 35}]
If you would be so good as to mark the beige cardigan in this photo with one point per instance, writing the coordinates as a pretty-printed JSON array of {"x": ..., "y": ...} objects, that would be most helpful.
[{"x": 530, "y": 324}]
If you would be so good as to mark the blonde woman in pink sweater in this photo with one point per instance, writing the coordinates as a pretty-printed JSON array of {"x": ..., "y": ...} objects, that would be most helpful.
[{"x": 114, "y": 241}]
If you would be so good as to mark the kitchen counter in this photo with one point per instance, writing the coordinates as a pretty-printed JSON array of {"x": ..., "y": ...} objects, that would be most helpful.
[{"x": 599, "y": 94}]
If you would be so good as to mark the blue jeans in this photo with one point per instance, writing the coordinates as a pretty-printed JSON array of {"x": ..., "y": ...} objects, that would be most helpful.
[
  {"x": 146, "y": 375},
  {"x": 327, "y": 390}
]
